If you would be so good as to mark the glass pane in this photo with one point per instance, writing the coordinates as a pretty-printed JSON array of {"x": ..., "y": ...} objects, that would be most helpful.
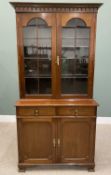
[
  {"x": 31, "y": 85},
  {"x": 45, "y": 89},
  {"x": 37, "y": 57},
  {"x": 75, "y": 57},
  {"x": 45, "y": 68},
  {"x": 31, "y": 68}
]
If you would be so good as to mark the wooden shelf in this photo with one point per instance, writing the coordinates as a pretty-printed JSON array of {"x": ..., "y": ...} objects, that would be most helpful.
[
  {"x": 76, "y": 38},
  {"x": 38, "y": 38},
  {"x": 35, "y": 77},
  {"x": 74, "y": 47},
  {"x": 36, "y": 58}
]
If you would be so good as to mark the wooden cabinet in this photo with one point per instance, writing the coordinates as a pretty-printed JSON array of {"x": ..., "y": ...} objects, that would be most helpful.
[{"x": 56, "y": 115}]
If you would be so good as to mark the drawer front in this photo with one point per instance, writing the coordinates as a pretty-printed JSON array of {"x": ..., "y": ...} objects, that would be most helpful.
[
  {"x": 35, "y": 111},
  {"x": 76, "y": 111}
]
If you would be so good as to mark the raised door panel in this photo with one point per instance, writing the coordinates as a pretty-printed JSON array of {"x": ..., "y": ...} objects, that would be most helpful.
[
  {"x": 76, "y": 38},
  {"x": 35, "y": 140},
  {"x": 37, "y": 53},
  {"x": 77, "y": 140}
]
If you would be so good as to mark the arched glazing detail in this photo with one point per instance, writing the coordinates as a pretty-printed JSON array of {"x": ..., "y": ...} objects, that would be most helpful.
[
  {"x": 75, "y": 57},
  {"x": 76, "y": 23},
  {"x": 37, "y": 57},
  {"x": 37, "y": 22}
]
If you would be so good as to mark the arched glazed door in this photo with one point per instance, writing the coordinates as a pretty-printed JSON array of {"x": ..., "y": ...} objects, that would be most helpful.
[
  {"x": 37, "y": 55},
  {"x": 75, "y": 33}
]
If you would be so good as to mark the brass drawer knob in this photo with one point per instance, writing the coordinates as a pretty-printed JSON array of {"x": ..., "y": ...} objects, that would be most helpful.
[
  {"x": 76, "y": 112},
  {"x": 54, "y": 142},
  {"x": 36, "y": 112}
]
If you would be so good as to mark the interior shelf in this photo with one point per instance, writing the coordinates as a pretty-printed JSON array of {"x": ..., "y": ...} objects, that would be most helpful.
[
  {"x": 38, "y": 77},
  {"x": 74, "y": 38},
  {"x": 38, "y": 38},
  {"x": 38, "y": 47},
  {"x": 73, "y": 77},
  {"x": 36, "y": 58},
  {"x": 74, "y": 46}
]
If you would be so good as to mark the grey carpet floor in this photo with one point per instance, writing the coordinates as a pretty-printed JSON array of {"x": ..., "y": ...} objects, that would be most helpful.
[{"x": 8, "y": 154}]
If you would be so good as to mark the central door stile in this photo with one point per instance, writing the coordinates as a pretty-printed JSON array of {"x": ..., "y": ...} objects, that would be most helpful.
[
  {"x": 59, "y": 140},
  {"x": 54, "y": 140},
  {"x": 58, "y": 56},
  {"x": 54, "y": 53}
]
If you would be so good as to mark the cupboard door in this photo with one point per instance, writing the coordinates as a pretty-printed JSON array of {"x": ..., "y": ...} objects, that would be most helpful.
[
  {"x": 37, "y": 54},
  {"x": 75, "y": 54},
  {"x": 35, "y": 140},
  {"x": 77, "y": 140}
]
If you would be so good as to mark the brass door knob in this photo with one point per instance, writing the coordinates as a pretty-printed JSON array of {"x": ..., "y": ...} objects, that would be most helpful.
[
  {"x": 57, "y": 60},
  {"x": 58, "y": 142},
  {"x": 54, "y": 142}
]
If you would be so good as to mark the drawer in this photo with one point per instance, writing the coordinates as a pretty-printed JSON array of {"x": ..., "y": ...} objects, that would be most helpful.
[
  {"x": 32, "y": 111},
  {"x": 76, "y": 111}
]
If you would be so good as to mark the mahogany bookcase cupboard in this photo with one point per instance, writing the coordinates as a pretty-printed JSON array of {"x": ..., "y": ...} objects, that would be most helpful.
[{"x": 56, "y": 113}]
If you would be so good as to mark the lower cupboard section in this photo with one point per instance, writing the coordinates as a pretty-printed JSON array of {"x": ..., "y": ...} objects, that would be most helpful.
[{"x": 48, "y": 140}]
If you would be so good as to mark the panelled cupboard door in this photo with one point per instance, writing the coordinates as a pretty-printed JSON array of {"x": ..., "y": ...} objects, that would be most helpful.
[
  {"x": 76, "y": 140},
  {"x": 35, "y": 140},
  {"x": 37, "y": 53},
  {"x": 75, "y": 49}
]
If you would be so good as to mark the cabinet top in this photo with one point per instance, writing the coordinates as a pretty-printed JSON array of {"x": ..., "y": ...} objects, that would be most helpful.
[
  {"x": 56, "y": 102},
  {"x": 55, "y": 7}
]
